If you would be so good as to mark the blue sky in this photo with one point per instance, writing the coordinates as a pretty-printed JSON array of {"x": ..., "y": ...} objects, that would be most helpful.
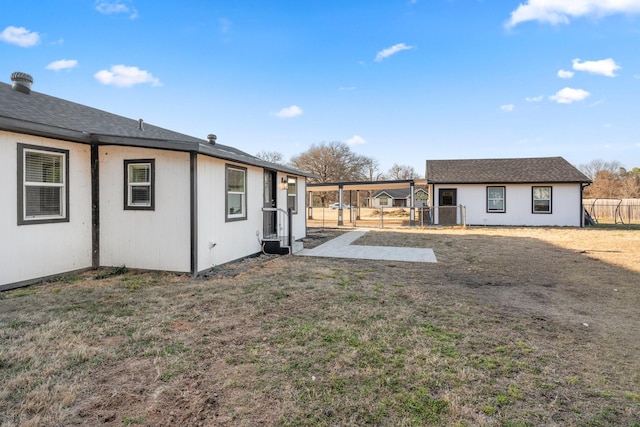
[{"x": 399, "y": 81}]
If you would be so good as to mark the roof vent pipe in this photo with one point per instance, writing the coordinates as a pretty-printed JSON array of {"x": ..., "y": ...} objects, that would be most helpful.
[
  {"x": 140, "y": 124},
  {"x": 21, "y": 82},
  {"x": 212, "y": 139}
]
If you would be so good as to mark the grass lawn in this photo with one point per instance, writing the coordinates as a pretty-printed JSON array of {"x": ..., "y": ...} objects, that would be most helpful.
[{"x": 512, "y": 327}]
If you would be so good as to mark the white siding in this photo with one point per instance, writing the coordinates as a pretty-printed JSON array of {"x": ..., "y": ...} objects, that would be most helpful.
[
  {"x": 566, "y": 202},
  {"x": 158, "y": 239},
  {"x": 221, "y": 241},
  {"x": 233, "y": 239},
  {"x": 154, "y": 240},
  {"x": 299, "y": 218},
  {"x": 38, "y": 250}
]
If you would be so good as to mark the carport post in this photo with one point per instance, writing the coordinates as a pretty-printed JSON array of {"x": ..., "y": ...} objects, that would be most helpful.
[
  {"x": 310, "y": 202},
  {"x": 340, "y": 221},
  {"x": 412, "y": 209}
]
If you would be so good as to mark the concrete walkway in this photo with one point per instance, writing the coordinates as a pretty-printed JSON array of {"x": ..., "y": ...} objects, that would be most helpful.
[{"x": 341, "y": 247}]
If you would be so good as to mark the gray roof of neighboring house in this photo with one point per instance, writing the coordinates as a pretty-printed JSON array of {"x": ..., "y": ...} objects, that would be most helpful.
[
  {"x": 503, "y": 171},
  {"x": 38, "y": 114},
  {"x": 398, "y": 193}
]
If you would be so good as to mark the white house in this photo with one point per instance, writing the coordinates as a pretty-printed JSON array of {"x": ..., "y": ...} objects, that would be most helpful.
[
  {"x": 84, "y": 188},
  {"x": 543, "y": 191}
]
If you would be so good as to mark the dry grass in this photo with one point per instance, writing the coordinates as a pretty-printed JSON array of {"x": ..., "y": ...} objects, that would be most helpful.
[{"x": 512, "y": 327}]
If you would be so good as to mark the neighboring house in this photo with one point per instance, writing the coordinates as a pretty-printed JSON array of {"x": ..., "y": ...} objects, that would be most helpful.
[
  {"x": 527, "y": 191},
  {"x": 83, "y": 188},
  {"x": 399, "y": 198}
]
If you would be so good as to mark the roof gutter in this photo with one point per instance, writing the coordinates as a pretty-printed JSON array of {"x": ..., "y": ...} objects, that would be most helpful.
[{"x": 47, "y": 131}]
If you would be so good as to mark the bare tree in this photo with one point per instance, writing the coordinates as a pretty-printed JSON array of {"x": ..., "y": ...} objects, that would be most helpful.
[
  {"x": 375, "y": 174},
  {"x": 271, "y": 156},
  {"x": 611, "y": 180},
  {"x": 606, "y": 184},
  {"x": 592, "y": 168},
  {"x": 333, "y": 162},
  {"x": 403, "y": 172}
]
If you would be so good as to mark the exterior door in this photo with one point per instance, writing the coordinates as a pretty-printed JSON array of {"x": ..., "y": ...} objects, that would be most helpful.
[
  {"x": 447, "y": 206},
  {"x": 270, "y": 223}
]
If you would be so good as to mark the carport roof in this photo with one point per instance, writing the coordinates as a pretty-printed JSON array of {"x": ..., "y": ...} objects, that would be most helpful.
[{"x": 365, "y": 185}]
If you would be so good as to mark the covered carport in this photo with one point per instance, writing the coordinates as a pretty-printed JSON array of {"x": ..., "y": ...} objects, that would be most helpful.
[{"x": 358, "y": 186}]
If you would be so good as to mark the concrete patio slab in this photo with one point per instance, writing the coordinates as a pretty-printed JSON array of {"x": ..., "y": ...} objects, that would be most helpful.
[{"x": 341, "y": 247}]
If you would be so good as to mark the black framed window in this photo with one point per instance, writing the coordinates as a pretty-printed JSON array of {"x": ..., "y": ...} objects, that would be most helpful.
[
  {"x": 139, "y": 181},
  {"x": 43, "y": 185},
  {"x": 236, "y": 189},
  {"x": 496, "y": 199},
  {"x": 541, "y": 199}
]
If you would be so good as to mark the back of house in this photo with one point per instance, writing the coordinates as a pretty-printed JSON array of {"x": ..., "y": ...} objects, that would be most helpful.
[{"x": 84, "y": 188}]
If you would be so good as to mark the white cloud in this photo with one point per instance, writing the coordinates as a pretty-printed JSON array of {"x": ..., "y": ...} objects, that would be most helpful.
[
  {"x": 564, "y": 74},
  {"x": 20, "y": 36},
  {"x": 289, "y": 112},
  {"x": 62, "y": 64},
  {"x": 636, "y": 76},
  {"x": 385, "y": 53},
  {"x": 114, "y": 7},
  {"x": 606, "y": 67},
  {"x": 562, "y": 11},
  {"x": 569, "y": 95},
  {"x": 124, "y": 76},
  {"x": 534, "y": 98},
  {"x": 356, "y": 140},
  {"x": 507, "y": 108}
]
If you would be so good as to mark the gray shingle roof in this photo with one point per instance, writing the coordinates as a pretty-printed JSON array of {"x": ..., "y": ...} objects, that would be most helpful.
[
  {"x": 503, "y": 171},
  {"x": 43, "y": 115}
]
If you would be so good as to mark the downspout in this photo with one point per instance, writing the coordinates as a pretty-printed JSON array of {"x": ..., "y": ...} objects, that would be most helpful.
[
  {"x": 193, "y": 205},
  {"x": 582, "y": 186},
  {"x": 95, "y": 206}
]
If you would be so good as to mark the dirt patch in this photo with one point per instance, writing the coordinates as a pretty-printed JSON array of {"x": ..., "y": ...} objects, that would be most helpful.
[{"x": 511, "y": 327}]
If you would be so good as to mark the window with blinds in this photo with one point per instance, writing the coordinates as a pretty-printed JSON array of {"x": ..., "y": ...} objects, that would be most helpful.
[
  {"x": 236, "y": 203},
  {"x": 43, "y": 194},
  {"x": 139, "y": 184},
  {"x": 496, "y": 199},
  {"x": 541, "y": 199}
]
